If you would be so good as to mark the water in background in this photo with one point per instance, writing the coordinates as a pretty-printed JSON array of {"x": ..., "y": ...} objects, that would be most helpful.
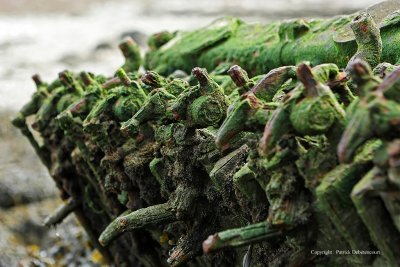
[{"x": 47, "y": 36}]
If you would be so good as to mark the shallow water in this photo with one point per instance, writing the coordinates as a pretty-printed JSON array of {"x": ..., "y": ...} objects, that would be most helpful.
[{"x": 47, "y": 36}]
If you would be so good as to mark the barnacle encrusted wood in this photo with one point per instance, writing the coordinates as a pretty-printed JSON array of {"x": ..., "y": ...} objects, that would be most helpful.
[{"x": 240, "y": 145}]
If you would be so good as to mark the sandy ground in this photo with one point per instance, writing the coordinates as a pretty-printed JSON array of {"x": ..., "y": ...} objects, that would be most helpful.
[
  {"x": 27, "y": 196},
  {"x": 23, "y": 179},
  {"x": 47, "y": 36}
]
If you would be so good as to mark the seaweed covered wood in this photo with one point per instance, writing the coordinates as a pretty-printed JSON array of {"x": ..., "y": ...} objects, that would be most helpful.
[{"x": 240, "y": 145}]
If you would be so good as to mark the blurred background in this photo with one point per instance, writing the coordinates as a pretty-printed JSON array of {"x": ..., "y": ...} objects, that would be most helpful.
[{"x": 48, "y": 36}]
